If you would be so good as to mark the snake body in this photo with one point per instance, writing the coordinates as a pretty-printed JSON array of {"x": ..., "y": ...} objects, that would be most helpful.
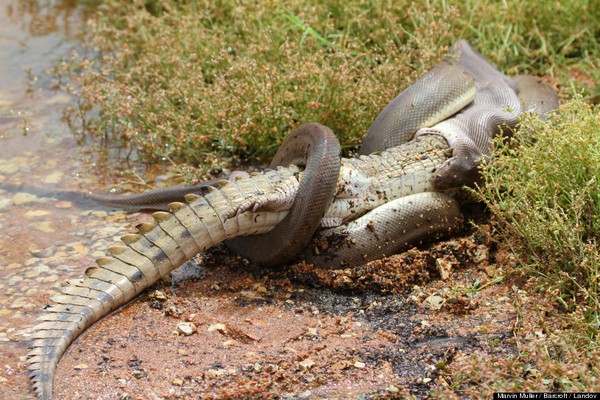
[{"x": 315, "y": 147}]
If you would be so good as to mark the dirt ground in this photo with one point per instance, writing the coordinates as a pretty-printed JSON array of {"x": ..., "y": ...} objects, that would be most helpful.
[{"x": 223, "y": 329}]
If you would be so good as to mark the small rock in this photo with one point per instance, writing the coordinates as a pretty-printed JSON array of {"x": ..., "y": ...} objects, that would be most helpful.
[
  {"x": 63, "y": 204},
  {"x": 307, "y": 363},
  {"x": 31, "y": 261},
  {"x": 44, "y": 226},
  {"x": 49, "y": 279},
  {"x": 177, "y": 382},
  {"x": 13, "y": 280},
  {"x": 158, "y": 295},
  {"x": 80, "y": 248},
  {"x": 21, "y": 303},
  {"x": 491, "y": 271},
  {"x": 217, "y": 372},
  {"x": 6, "y": 203},
  {"x": 426, "y": 380},
  {"x": 24, "y": 198},
  {"x": 79, "y": 367},
  {"x": 481, "y": 254},
  {"x": 35, "y": 271},
  {"x": 110, "y": 231},
  {"x": 8, "y": 168},
  {"x": 36, "y": 213},
  {"x": 14, "y": 266},
  {"x": 360, "y": 365},
  {"x": 218, "y": 327},
  {"x": 44, "y": 253},
  {"x": 311, "y": 332},
  {"x": 54, "y": 178},
  {"x": 444, "y": 267},
  {"x": 186, "y": 328},
  {"x": 392, "y": 389},
  {"x": 138, "y": 373},
  {"x": 433, "y": 302}
]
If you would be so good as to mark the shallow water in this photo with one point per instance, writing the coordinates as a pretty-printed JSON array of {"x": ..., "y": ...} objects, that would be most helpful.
[{"x": 48, "y": 232}]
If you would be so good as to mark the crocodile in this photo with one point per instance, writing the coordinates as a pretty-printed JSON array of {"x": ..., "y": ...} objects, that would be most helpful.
[{"x": 402, "y": 177}]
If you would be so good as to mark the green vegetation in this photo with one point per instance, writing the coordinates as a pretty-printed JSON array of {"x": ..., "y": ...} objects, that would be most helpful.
[
  {"x": 543, "y": 187},
  {"x": 213, "y": 84},
  {"x": 217, "y": 83}
]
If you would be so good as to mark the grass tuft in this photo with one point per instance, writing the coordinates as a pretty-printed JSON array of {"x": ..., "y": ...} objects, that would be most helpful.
[{"x": 543, "y": 188}]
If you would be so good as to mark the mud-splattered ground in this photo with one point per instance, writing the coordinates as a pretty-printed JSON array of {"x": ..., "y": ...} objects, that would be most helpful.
[{"x": 229, "y": 330}]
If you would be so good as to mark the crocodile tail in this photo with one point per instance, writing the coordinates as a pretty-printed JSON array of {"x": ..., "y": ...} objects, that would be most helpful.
[
  {"x": 142, "y": 259},
  {"x": 134, "y": 265},
  {"x": 131, "y": 267}
]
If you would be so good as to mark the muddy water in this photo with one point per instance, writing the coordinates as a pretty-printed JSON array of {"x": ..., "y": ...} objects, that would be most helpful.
[{"x": 47, "y": 233}]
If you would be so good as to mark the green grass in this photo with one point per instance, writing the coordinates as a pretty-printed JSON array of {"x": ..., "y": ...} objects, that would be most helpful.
[
  {"x": 212, "y": 84},
  {"x": 543, "y": 187}
]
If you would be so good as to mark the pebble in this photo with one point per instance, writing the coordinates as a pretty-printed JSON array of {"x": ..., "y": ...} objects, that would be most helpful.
[
  {"x": 392, "y": 389},
  {"x": 49, "y": 279},
  {"x": 360, "y": 364},
  {"x": 311, "y": 332},
  {"x": 43, "y": 226},
  {"x": 13, "y": 266},
  {"x": 217, "y": 327},
  {"x": 110, "y": 231},
  {"x": 63, "y": 204},
  {"x": 36, "y": 213},
  {"x": 8, "y": 168},
  {"x": 6, "y": 204},
  {"x": 158, "y": 295},
  {"x": 13, "y": 280},
  {"x": 24, "y": 198},
  {"x": 31, "y": 261},
  {"x": 54, "y": 178},
  {"x": 307, "y": 363},
  {"x": 44, "y": 253},
  {"x": 215, "y": 372},
  {"x": 21, "y": 303},
  {"x": 444, "y": 267},
  {"x": 186, "y": 328},
  {"x": 433, "y": 302},
  {"x": 37, "y": 270},
  {"x": 481, "y": 254},
  {"x": 79, "y": 248}
]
